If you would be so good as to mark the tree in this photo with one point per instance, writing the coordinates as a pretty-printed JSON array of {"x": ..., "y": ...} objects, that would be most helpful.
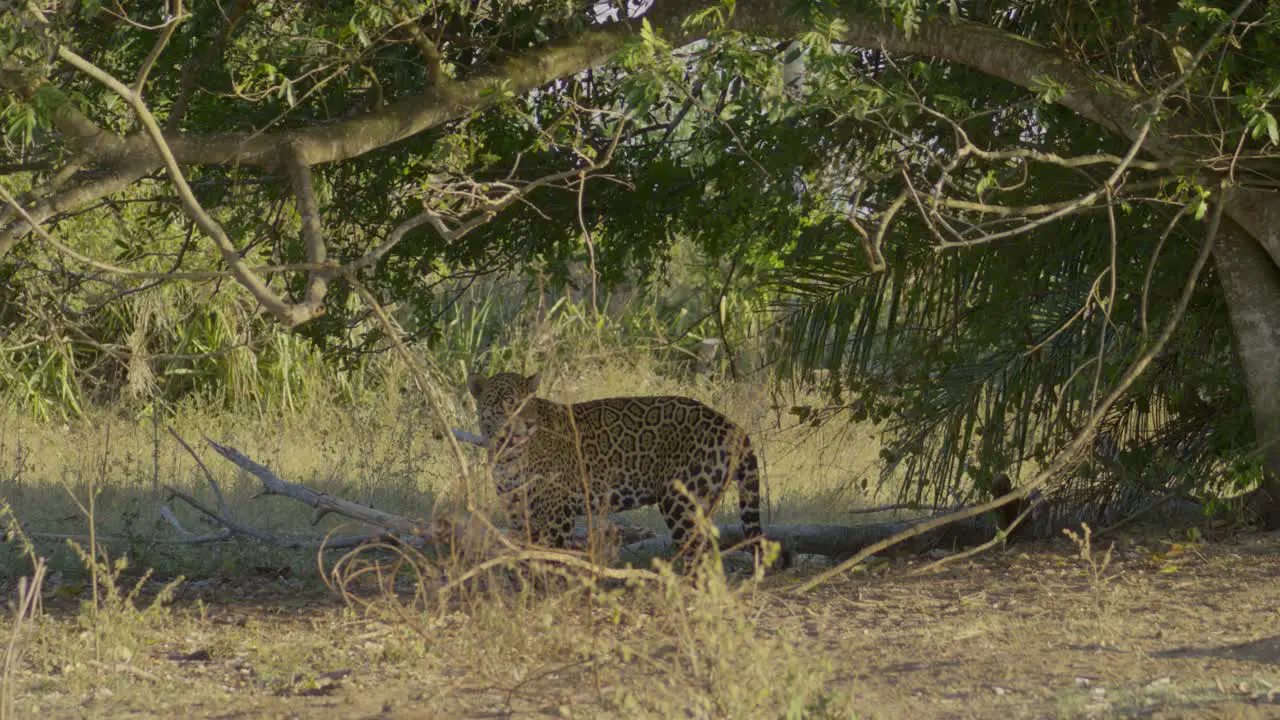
[{"x": 368, "y": 115}]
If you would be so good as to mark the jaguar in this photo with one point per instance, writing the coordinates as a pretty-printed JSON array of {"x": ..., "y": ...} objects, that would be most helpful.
[{"x": 554, "y": 462}]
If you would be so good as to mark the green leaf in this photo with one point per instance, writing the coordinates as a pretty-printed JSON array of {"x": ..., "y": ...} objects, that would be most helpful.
[
  {"x": 646, "y": 33},
  {"x": 1182, "y": 56}
]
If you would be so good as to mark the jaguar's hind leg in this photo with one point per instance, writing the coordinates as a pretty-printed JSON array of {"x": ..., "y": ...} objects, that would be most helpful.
[{"x": 680, "y": 512}]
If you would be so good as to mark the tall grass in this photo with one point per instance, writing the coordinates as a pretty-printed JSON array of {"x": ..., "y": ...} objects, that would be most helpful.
[
  {"x": 368, "y": 436},
  {"x": 365, "y": 434},
  {"x": 165, "y": 343}
]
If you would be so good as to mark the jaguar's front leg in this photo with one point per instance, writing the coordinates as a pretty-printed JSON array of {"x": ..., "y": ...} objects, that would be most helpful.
[
  {"x": 535, "y": 517},
  {"x": 555, "y": 526},
  {"x": 519, "y": 505}
]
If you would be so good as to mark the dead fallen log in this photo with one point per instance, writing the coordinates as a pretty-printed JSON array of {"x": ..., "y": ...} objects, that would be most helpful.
[
  {"x": 838, "y": 541},
  {"x": 827, "y": 540},
  {"x": 322, "y": 503}
]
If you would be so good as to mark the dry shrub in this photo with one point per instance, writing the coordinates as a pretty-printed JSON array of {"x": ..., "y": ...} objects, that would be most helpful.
[{"x": 640, "y": 643}]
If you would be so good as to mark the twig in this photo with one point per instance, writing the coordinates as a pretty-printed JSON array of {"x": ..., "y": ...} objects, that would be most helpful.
[
  {"x": 999, "y": 538},
  {"x": 217, "y": 491},
  {"x": 1145, "y": 297},
  {"x": 166, "y": 512},
  {"x": 419, "y": 377},
  {"x": 554, "y": 557},
  {"x": 176, "y": 16},
  {"x": 233, "y": 525},
  {"x": 469, "y": 437},
  {"x": 393, "y": 239},
  {"x": 875, "y": 247}
]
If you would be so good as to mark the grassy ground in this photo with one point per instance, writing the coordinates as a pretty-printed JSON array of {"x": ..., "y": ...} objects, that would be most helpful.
[
  {"x": 386, "y": 451},
  {"x": 1157, "y": 628}
]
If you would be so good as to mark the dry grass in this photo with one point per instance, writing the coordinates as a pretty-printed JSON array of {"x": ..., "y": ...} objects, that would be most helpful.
[
  {"x": 386, "y": 451},
  {"x": 1053, "y": 630},
  {"x": 1008, "y": 635}
]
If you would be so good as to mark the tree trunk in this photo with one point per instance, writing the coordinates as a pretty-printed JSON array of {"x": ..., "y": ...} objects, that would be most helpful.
[{"x": 1251, "y": 283}]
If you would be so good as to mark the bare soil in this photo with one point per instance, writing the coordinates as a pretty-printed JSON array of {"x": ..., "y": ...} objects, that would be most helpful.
[{"x": 1166, "y": 630}]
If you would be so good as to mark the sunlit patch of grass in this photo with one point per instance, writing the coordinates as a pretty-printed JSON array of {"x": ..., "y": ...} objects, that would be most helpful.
[{"x": 386, "y": 448}]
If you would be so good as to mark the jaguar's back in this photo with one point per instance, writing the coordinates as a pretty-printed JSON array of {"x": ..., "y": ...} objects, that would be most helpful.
[{"x": 629, "y": 451}]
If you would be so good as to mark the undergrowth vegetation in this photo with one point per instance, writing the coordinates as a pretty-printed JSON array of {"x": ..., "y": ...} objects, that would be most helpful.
[
  {"x": 304, "y": 225},
  {"x": 114, "y": 611},
  {"x": 655, "y": 645},
  {"x": 86, "y": 492}
]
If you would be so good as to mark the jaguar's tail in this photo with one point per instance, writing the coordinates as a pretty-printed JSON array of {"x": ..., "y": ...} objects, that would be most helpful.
[{"x": 747, "y": 475}]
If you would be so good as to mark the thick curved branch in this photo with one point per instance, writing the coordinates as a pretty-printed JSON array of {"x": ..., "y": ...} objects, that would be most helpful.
[
  {"x": 127, "y": 159},
  {"x": 312, "y": 227},
  {"x": 369, "y": 131},
  {"x": 72, "y": 198},
  {"x": 391, "y": 123}
]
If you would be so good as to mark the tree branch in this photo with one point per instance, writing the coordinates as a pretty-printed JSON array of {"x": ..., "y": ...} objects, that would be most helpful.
[
  {"x": 176, "y": 16},
  {"x": 288, "y": 313},
  {"x": 84, "y": 135},
  {"x": 391, "y": 123},
  {"x": 1113, "y": 104},
  {"x": 323, "y": 504},
  {"x": 312, "y": 227}
]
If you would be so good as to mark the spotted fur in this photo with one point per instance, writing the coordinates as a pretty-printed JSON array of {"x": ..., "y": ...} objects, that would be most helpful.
[{"x": 630, "y": 451}]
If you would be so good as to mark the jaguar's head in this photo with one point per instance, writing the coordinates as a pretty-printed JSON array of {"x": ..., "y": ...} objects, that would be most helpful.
[{"x": 504, "y": 407}]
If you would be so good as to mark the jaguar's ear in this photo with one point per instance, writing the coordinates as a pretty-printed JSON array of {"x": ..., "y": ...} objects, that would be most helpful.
[
  {"x": 476, "y": 383},
  {"x": 531, "y": 382}
]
